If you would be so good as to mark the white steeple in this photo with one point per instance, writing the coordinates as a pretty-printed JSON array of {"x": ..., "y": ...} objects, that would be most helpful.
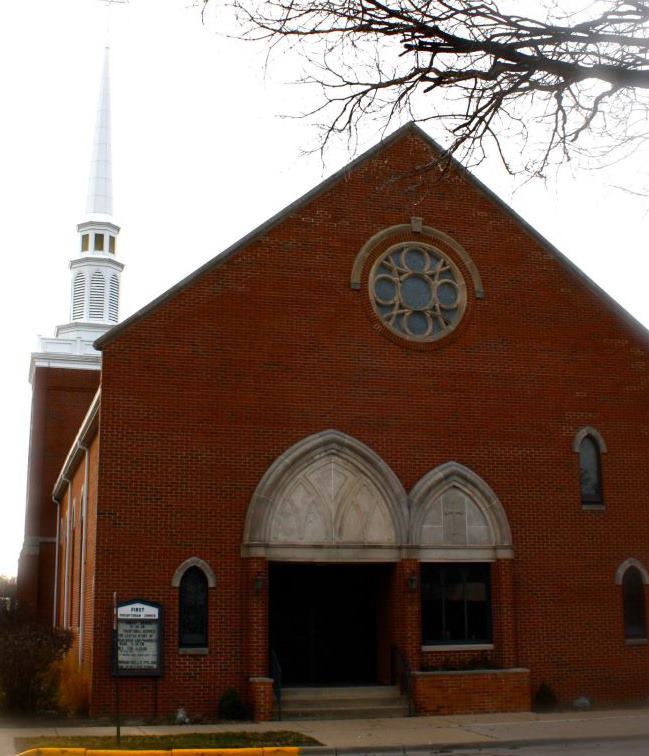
[
  {"x": 95, "y": 272},
  {"x": 100, "y": 184}
]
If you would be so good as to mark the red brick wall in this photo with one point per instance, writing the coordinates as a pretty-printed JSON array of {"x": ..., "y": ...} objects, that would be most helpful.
[
  {"x": 475, "y": 692},
  {"x": 60, "y": 400},
  {"x": 201, "y": 396}
]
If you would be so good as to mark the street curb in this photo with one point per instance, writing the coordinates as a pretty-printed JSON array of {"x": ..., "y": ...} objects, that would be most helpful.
[{"x": 450, "y": 746}]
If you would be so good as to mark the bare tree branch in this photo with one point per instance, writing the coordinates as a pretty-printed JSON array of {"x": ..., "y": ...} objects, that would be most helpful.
[{"x": 484, "y": 72}]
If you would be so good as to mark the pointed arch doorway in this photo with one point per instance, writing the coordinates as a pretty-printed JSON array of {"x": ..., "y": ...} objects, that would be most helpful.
[{"x": 330, "y": 518}]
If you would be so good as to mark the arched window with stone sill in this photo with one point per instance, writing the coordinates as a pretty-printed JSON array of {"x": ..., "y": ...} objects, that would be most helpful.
[
  {"x": 193, "y": 579},
  {"x": 459, "y": 529},
  {"x": 589, "y": 445},
  {"x": 632, "y": 577}
]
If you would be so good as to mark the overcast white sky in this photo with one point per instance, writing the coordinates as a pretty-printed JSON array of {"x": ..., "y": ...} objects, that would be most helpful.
[{"x": 201, "y": 156}]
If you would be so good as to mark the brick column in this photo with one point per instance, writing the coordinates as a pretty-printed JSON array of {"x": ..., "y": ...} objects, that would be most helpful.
[
  {"x": 261, "y": 697},
  {"x": 406, "y": 610},
  {"x": 255, "y": 601},
  {"x": 503, "y": 613}
]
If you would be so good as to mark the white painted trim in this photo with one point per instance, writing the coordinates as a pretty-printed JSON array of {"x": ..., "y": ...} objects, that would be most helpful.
[{"x": 631, "y": 562}]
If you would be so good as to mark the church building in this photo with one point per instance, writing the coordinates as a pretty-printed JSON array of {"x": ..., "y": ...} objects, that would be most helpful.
[{"x": 392, "y": 437}]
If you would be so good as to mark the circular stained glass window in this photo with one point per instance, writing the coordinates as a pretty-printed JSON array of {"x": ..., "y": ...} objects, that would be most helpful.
[{"x": 417, "y": 292}]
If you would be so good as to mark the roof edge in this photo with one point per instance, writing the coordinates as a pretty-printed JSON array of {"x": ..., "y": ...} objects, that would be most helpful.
[
  {"x": 86, "y": 431},
  {"x": 323, "y": 186},
  {"x": 260, "y": 230}
]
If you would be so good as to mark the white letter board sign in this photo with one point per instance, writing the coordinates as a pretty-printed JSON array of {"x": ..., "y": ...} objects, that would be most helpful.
[{"x": 138, "y": 639}]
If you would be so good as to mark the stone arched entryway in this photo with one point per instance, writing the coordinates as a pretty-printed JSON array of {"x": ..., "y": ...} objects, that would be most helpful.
[
  {"x": 330, "y": 519},
  {"x": 330, "y": 522}
]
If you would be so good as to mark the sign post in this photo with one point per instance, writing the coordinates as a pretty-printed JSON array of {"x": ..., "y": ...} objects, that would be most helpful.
[
  {"x": 118, "y": 727},
  {"x": 137, "y": 643}
]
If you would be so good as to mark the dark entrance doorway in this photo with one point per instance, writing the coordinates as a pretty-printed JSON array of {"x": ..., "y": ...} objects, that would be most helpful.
[{"x": 323, "y": 622}]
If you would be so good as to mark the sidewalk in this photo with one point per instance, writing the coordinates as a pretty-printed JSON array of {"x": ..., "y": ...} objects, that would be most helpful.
[{"x": 412, "y": 732}]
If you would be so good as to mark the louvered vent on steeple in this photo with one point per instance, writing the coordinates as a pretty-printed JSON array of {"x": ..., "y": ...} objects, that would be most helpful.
[
  {"x": 78, "y": 296},
  {"x": 113, "y": 299},
  {"x": 97, "y": 296}
]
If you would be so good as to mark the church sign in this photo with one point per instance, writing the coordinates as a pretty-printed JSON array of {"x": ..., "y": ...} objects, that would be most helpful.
[{"x": 138, "y": 639}]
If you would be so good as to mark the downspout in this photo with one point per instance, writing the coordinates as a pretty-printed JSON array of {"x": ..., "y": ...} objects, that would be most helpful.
[
  {"x": 66, "y": 577},
  {"x": 56, "y": 558},
  {"x": 82, "y": 589}
]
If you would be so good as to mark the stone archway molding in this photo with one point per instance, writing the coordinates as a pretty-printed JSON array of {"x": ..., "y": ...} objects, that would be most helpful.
[
  {"x": 456, "y": 515},
  {"x": 631, "y": 562},
  {"x": 416, "y": 227},
  {"x": 194, "y": 562},
  {"x": 328, "y": 498},
  {"x": 581, "y": 434}
]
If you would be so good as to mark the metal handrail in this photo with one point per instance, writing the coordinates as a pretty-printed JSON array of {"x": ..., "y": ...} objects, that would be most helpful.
[
  {"x": 401, "y": 674},
  {"x": 276, "y": 673}
]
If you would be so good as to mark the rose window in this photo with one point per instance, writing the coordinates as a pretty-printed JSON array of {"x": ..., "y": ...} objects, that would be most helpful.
[{"x": 417, "y": 292}]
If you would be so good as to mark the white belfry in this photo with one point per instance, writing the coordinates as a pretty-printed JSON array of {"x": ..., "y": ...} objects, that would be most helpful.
[{"x": 95, "y": 271}]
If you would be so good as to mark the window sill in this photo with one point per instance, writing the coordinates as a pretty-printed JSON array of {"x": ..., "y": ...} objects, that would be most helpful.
[
  {"x": 459, "y": 647},
  {"x": 593, "y": 507},
  {"x": 637, "y": 641},
  {"x": 193, "y": 651}
]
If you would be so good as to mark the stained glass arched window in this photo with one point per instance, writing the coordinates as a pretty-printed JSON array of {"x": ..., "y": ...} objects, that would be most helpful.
[
  {"x": 193, "y": 609},
  {"x": 590, "y": 475},
  {"x": 634, "y": 604}
]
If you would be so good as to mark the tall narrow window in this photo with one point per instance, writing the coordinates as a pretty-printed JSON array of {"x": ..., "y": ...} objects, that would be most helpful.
[
  {"x": 84, "y": 242},
  {"x": 99, "y": 242},
  {"x": 455, "y": 603},
  {"x": 192, "y": 618},
  {"x": 590, "y": 475},
  {"x": 111, "y": 244},
  {"x": 635, "y": 626}
]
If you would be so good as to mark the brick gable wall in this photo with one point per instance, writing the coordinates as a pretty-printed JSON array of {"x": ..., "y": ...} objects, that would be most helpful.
[{"x": 203, "y": 393}]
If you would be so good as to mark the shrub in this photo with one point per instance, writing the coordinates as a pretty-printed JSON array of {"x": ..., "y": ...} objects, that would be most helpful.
[
  {"x": 231, "y": 706},
  {"x": 544, "y": 698},
  {"x": 72, "y": 684},
  {"x": 27, "y": 649}
]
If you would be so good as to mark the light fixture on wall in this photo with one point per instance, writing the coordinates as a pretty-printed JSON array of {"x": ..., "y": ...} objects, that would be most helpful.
[
  {"x": 412, "y": 582},
  {"x": 259, "y": 583}
]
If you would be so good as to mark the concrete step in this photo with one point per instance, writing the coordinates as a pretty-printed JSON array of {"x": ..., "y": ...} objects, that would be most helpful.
[
  {"x": 348, "y": 702},
  {"x": 342, "y": 691},
  {"x": 372, "y": 712}
]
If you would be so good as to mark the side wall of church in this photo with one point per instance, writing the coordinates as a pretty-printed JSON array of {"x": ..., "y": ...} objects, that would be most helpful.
[{"x": 201, "y": 395}]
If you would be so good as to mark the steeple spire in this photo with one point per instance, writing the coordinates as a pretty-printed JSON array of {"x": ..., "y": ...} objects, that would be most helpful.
[
  {"x": 100, "y": 184},
  {"x": 95, "y": 271}
]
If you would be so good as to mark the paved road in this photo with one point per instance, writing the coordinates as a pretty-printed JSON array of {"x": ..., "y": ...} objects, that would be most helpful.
[{"x": 635, "y": 747}]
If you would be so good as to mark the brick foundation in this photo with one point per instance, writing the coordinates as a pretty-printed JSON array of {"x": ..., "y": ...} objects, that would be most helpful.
[{"x": 471, "y": 691}]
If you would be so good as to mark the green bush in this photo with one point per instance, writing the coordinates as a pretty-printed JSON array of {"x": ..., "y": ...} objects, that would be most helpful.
[
  {"x": 545, "y": 699},
  {"x": 231, "y": 706},
  {"x": 28, "y": 648}
]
